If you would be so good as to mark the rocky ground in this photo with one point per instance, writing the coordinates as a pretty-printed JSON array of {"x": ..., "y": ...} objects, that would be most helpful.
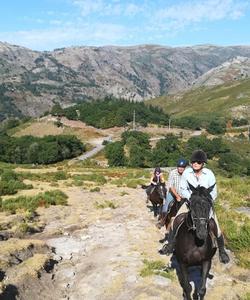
[{"x": 100, "y": 242}]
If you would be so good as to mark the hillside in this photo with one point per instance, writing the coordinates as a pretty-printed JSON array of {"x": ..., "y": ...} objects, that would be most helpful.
[
  {"x": 32, "y": 81},
  {"x": 230, "y": 99},
  {"x": 234, "y": 69}
]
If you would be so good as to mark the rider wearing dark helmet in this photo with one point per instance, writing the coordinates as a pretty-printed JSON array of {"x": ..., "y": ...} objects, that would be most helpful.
[
  {"x": 173, "y": 188},
  {"x": 156, "y": 178},
  {"x": 198, "y": 175}
]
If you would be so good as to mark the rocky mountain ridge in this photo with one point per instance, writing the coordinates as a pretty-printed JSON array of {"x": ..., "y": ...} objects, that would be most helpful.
[
  {"x": 32, "y": 81},
  {"x": 236, "y": 68}
]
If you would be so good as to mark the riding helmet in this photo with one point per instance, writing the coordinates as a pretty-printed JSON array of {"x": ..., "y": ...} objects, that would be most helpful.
[
  {"x": 182, "y": 163},
  {"x": 199, "y": 155}
]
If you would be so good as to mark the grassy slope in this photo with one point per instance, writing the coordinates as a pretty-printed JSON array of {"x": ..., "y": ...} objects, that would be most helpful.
[{"x": 219, "y": 99}]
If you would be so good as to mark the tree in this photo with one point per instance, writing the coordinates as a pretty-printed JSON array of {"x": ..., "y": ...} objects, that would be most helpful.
[
  {"x": 115, "y": 154},
  {"x": 57, "y": 110},
  {"x": 217, "y": 127},
  {"x": 231, "y": 163}
]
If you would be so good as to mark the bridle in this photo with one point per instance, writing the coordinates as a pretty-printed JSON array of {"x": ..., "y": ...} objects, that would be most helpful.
[{"x": 194, "y": 218}]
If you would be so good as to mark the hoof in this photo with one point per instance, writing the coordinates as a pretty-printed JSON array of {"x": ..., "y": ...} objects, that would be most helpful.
[
  {"x": 165, "y": 250},
  {"x": 162, "y": 240},
  {"x": 224, "y": 258}
]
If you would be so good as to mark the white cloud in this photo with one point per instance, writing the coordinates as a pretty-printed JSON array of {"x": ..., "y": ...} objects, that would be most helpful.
[
  {"x": 48, "y": 39},
  {"x": 108, "y": 8},
  {"x": 188, "y": 12}
]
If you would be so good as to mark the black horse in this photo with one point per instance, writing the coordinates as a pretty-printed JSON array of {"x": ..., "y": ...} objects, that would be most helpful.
[
  {"x": 156, "y": 196},
  {"x": 194, "y": 241}
]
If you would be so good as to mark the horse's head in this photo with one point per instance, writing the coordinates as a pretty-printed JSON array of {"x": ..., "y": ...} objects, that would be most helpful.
[
  {"x": 200, "y": 205},
  {"x": 160, "y": 188}
]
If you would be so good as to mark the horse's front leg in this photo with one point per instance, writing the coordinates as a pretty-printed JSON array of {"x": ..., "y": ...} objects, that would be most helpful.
[
  {"x": 160, "y": 211},
  {"x": 155, "y": 209},
  {"x": 206, "y": 265},
  {"x": 184, "y": 282}
]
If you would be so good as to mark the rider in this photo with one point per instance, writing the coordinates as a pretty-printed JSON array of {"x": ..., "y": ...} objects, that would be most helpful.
[
  {"x": 156, "y": 178},
  {"x": 198, "y": 175},
  {"x": 173, "y": 189}
]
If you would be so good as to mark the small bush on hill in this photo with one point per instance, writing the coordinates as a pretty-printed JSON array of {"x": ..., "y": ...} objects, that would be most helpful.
[{"x": 46, "y": 199}]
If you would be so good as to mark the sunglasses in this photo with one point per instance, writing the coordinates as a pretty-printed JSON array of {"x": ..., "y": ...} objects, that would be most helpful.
[{"x": 198, "y": 162}]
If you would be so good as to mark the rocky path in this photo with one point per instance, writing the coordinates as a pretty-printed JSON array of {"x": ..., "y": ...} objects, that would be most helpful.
[{"x": 100, "y": 252}]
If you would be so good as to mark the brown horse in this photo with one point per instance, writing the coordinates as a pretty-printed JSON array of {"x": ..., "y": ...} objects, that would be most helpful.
[
  {"x": 156, "y": 197},
  {"x": 167, "y": 217}
]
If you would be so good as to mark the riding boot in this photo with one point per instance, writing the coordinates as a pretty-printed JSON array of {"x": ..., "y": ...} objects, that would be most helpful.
[
  {"x": 168, "y": 248},
  {"x": 148, "y": 198},
  {"x": 224, "y": 258}
]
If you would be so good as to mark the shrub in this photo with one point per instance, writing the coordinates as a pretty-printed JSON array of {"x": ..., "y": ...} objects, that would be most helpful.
[
  {"x": 233, "y": 164},
  {"x": 105, "y": 204},
  {"x": 115, "y": 154},
  {"x": 217, "y": 127},
  {"x": 96, "y": 189},
  {"x": 156, "y": 267},
  {"x": 8, "y": 175},
  {"x": 46, "y": 199}
]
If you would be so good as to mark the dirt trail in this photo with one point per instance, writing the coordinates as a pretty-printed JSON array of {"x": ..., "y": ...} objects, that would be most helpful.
[{"x": 100, "y": 252}]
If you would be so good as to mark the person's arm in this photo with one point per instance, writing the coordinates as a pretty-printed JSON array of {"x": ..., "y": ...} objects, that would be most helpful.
[
  {"x": 162, "y": 179},
  {"x": 185, "y": 191},
  {"x": 152, "y": 181},
  {"x": 212, "y": 181},
  {"x": 174, "y": 192}
]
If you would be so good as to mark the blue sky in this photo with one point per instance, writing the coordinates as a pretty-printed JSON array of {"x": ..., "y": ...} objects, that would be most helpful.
[{"x": 49, "y": 24}]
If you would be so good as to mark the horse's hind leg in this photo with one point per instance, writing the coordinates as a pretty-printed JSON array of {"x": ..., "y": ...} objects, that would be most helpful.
[
  {"x": 184, "y": 282},
  {"x": 206, "y": 265}
]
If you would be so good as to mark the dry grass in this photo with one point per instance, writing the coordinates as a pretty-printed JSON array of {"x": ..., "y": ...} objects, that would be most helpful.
[
  {"x": 43, "y": 128},
  {"x": 40, "y": 129}
]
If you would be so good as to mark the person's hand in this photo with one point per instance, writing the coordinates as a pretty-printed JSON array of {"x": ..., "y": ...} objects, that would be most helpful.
[{"x": 178, "y": 198}]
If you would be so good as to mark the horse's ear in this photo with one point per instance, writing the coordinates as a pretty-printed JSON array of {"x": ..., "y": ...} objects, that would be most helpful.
[
  {"x": 211, "y": 187},
  {"x": 192, "y": 188}
]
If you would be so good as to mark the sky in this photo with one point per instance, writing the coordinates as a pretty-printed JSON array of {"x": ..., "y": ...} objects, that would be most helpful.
[{"x": 50, "y": 24}]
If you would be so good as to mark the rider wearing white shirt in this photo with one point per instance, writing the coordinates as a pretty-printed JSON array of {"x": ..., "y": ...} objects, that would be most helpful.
[{"x": 198, "y": 175}]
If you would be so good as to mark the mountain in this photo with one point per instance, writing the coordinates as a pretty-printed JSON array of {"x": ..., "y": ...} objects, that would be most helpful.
[
  {"x": 236, "y": 68},
  {"x": 32, "y": 81},
  {"x": 231, "y": 99}
]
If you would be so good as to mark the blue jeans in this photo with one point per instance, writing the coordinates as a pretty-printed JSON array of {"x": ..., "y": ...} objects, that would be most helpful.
[{"x": 169, "y": 198}]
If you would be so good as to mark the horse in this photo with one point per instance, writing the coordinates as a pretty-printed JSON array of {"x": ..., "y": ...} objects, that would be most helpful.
[
  {"x": 171, "y": 213},
  {"x": 194, "y": 243},
  {"x": 156, "y": 196}
]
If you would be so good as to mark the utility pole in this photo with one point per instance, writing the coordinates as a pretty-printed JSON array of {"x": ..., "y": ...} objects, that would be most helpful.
[{"x": 134, "y": 120}]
